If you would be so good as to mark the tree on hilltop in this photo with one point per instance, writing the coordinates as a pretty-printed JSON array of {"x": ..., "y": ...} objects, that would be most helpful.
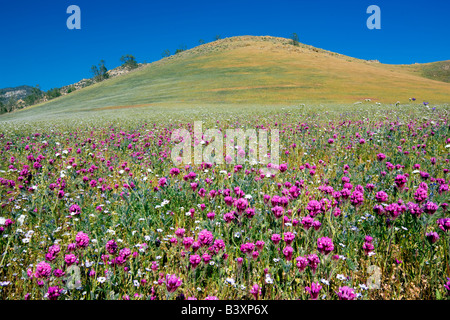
[
  {"x": 129, "y": 62},
  {"x": 100, "y": 71},
  {"x": 294, "y": 39},
  {"x": 181, "y": 49}
]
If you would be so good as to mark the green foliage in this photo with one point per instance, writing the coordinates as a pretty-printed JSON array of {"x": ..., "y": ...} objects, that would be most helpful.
[
  {"x": 53, "y": 93},
  {"x": 100, "y": 71},
  {"x": 217, "y": 37},
  {"x": 181, "y": 49},
  {"x": 166, "y": 53},
  {"x": 129, "y": 62},
  {"x": 294, "y": 39},
  {"x": 34, "y": 97},
  {"x": 11, "y": 104},
  {"x": 71, "y": 89}
]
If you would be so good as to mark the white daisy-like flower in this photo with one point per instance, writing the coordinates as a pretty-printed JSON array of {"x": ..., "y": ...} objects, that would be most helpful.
[
  {"x": 101, "y": 279},
  {"x": 325, "y": 282},
  {"x": 21, "y": 219},
  {"x": 341, "y": 277},
  {"x": 269, "y": 280}
]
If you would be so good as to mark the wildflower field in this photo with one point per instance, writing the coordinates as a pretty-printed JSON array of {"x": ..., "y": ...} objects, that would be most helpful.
[{"x": 92, "y": 207}]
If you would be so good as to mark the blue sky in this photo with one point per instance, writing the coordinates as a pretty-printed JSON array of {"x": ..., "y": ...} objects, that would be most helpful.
[{"x": 37, "y": 48}]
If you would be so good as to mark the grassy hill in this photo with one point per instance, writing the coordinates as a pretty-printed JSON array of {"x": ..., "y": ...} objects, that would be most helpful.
[
  {"x": 255, "y": 70},
  {"x": 439, "y": 70}
]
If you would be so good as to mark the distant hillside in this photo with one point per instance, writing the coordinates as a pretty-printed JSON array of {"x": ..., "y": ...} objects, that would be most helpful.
[
  {"x": 13, "y": 99},
  {"x": 436, "y": 70},
  {"x": 16, "y": 93},
  {"x": 121, "y": 70},
  {"x": 254, "y": 70}
]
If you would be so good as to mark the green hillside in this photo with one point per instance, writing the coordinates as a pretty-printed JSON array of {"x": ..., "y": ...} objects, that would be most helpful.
[{"x": 254, "y": 70}]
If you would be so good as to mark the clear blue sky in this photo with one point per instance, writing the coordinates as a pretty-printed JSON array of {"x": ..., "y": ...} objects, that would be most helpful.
[{"x": 37, "y": 48}]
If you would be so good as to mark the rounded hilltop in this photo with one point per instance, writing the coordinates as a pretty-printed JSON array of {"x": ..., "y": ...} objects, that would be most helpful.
[
  {"x": 254, "y": 70},
  {"x": 263, "y": 42}
]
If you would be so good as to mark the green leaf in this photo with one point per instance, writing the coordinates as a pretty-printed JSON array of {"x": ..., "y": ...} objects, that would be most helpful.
[{"x": 351, "y": 264}]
